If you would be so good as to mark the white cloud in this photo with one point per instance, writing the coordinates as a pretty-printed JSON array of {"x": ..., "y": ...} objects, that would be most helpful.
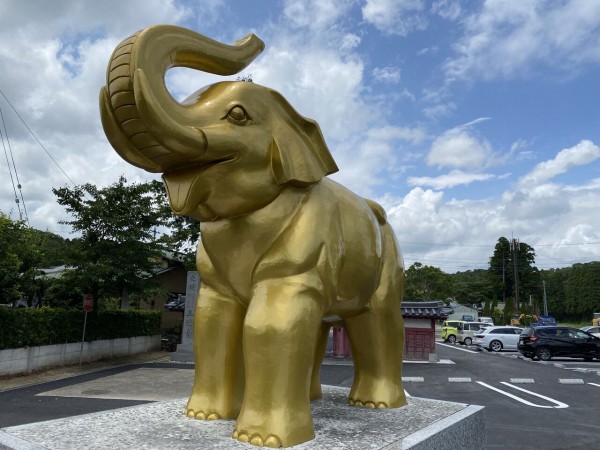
[
  {"x": 583, "y": 153},
  {"x": 400, "y": 17},
  {"x": 310, "y": 76},
  {"x": 507, "y": 38},
  {"x": 460, "y": 234},
  {"x": 449, "y": 180},
  {"x": 378, "y": 160},
  {"x": 460, "y": 148},
  {"x": 447, "y": 9},
  {"x": 387, "y": 74},
  {"x": 314, "y": 14}
]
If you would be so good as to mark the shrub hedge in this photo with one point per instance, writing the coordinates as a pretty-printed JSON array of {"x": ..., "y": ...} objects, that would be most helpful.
[{"x": 31, "y": 327}]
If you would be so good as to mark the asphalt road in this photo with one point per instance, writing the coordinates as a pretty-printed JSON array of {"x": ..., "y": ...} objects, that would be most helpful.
[{"x": 528, "y": 404}]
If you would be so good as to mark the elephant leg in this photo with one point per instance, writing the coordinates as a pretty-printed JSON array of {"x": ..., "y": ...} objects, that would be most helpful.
[
  {"x": 219, "y": 372},
  {"x": 281, "y": 330},
  {"x": 377, "y": 340},
  {"x": 315, "y": 381}
]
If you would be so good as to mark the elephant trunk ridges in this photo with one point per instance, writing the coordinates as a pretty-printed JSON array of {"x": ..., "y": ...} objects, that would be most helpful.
[{"x": 140, "y": 114}]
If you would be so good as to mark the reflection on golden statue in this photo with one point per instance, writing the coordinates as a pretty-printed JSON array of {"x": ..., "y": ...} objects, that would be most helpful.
[{"x": 283, "y": 249}]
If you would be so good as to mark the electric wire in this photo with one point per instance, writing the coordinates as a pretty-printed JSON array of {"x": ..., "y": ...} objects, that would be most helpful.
[
  {"x": 38, "y": 141},
  {"x": 10, "y": 171}
]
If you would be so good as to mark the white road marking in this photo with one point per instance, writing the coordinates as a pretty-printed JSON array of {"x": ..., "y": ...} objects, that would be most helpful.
[
  {"x": 522, "y": 400},
  {"x": 459, "y": 380},
  {"x": 570, "y": 381},
  {"x": 457, "y": 348},
  {"x": 413, "y": 379},
  {"x": 594, "y": 384},
  {"x": 522, "y": 380},
  {"x": 406, "y": 393}
]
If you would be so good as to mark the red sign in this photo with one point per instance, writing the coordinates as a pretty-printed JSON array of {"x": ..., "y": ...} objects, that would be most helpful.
[{"x": 88, "y": 303}]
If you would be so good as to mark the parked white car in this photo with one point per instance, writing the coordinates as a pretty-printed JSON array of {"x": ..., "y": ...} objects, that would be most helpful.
[
  {"x": 498, "y": 338},
  {"x": 592, "y": 330}
]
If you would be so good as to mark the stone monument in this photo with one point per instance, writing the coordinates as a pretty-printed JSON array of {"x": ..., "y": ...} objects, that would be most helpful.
[
  {"x": 185, "y": 350},
  {"x": 284, "y": 250}
]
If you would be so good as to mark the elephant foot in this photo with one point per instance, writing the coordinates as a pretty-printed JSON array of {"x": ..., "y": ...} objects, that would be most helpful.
[
  {"x": 201, "y": 415},
  {"x": 274, "y": 430},
  {"x": 271, "y": 441},
  {"x": 201, "y": 408},
  {"x": 367, "y": 404},
  {"x": 378, "y": 394}
]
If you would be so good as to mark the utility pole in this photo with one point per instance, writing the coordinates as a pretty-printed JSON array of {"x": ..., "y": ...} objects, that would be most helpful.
[
  {"x": 503, "y": 280},
  {"x": 514, "y": 246},
  {"x": 545, "y": 304}
]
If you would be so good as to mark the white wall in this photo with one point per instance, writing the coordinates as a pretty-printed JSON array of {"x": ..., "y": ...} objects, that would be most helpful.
[{"x": 28, "y": 359}]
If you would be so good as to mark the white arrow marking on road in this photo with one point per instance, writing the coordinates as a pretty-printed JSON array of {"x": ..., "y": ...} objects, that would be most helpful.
[{"x": 522, "y": 400}]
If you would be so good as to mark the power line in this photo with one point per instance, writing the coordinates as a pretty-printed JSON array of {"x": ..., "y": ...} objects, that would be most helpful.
[
  {"x": 38, "y": 141},
  {"x": 12, "y": 180}
]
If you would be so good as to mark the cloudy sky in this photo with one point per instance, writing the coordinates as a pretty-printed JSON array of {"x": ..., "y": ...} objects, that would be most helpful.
[{"x": 467, "y": 120}]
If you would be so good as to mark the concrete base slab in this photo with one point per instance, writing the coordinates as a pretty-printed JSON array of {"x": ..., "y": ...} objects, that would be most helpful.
[{"x": 422, "y": 424}]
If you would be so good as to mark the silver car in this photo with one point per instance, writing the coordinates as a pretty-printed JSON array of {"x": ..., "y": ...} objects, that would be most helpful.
[
  {"x": 467, "y": 330},
  {"x": 595, "y": 330},
  {"x": 498, "y": 338}
]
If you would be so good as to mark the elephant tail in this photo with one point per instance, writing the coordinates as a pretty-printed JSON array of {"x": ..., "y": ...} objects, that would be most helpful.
[{"x": 378, "y": 211}]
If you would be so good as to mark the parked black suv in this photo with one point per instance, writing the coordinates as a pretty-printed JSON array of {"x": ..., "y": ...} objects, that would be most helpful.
[{"x": 546, "y": 342}]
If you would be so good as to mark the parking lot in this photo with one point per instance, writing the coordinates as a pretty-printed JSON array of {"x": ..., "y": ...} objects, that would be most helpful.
[{"x": 529, "y": 404}]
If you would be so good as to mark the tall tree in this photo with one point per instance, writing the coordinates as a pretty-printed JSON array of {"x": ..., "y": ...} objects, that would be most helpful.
[
  {"x": 513, "y": 274},
  {"x": 426, "y": 283},
  {"x": 118, "y": 247},
  {"x": 19, "y": 254}
]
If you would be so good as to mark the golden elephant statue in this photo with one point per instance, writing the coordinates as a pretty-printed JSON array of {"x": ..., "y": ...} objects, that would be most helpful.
[{"x": 283, "y": 250}]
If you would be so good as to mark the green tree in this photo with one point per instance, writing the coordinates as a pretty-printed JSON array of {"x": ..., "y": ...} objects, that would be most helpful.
[
  {"x": 426, "y": 283},
  {"x": 508, "y": 258},
  {"x": 582, "y": 291},
  {"x": 117, "y": 247},
  {"x": 555, "y": 291},
  {"x": 471, "y": 287},
  {"x": 54, "y": 249},
  {"x": 487, "y": 308},
  {"x": 19, "y": 254},
  {"x": 509, "y": 311}
]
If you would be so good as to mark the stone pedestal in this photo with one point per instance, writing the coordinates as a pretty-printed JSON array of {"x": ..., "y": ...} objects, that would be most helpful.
[
  {"x": 185, "y": 350},
  {"x": 421, "y": 425}
]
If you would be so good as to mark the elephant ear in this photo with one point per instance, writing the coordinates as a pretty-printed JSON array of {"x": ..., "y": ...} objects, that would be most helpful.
[{"x": 299, "y": 155}]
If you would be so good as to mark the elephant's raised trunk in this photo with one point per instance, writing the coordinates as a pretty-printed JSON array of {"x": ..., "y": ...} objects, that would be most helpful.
[{"x": 144, "y": 124}]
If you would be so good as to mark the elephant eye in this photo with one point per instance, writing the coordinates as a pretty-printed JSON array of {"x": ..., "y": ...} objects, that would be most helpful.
[{"x": 238, "y": 115}]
